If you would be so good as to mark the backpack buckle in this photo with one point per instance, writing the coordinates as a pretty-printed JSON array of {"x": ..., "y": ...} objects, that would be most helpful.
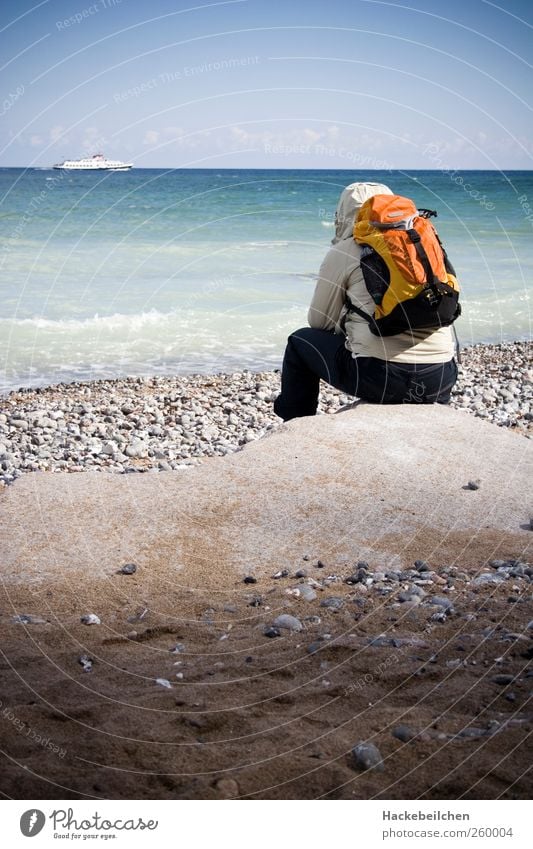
[{"x": 432, "y": 295}]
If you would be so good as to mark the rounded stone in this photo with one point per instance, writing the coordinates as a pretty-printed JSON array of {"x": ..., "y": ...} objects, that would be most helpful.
[
  {"x": 306, "y": 592},
  {"x": 228, "y": 788},
  {"x": 288, "y": 622},
  {"x": 90, "y": 619},
  {"x": 404, "y": 733},
  {"x": 333, "y": 603},
  {"x": 367, "y": 756}
]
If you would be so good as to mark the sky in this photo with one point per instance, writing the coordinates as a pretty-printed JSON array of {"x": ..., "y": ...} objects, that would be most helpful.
[{"x": 268, "y": 84}]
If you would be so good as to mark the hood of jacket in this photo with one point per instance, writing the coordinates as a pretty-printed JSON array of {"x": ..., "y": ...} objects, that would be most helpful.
[{"x": 350, "y": 201}]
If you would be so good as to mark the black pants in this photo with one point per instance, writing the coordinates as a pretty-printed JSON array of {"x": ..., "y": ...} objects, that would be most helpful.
[{"x": 312, "y": 355}]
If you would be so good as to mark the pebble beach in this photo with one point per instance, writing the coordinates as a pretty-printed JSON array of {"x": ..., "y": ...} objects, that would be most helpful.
[{"x": 160, "y": 424}]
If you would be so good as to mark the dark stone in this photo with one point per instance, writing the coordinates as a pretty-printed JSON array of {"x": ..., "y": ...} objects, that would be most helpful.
[
  {"x": 250, "y": 580},
  {"x": 128, "y": 569},
  {"x": 334, "y": 603},
  {"x": 422, "y": 566},
  {"x": 272, "y": 632},
  {"x": 502, "y": 679},
  {"x": 404, "y": 733},
  {"x": 472, "y": 732},
  {"x": 440, "y": 601},
  {"x": 367, "y": 756}
]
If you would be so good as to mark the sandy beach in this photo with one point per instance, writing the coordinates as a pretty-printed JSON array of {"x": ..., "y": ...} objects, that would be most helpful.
[{"x": 209, "y": 631}]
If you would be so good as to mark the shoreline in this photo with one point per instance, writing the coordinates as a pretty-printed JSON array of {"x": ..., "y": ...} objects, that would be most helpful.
[{"x": 126, "y": 425}]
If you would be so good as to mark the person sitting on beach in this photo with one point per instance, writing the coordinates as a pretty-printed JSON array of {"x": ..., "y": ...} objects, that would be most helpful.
[{"x": 412, "y": 367}]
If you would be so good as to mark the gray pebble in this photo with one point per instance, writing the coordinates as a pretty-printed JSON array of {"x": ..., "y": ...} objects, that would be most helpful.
[
  {"x": 290, "y": 623},
  {"x": 439, "y": 617},
  {"x": 473, "y": 732},
  {"x": 409, "y": 597},
  {"x": 404, "y": 733},
  {"x": 272, "y": 632},
  {"x": 489, "y": 578},
  {"x": 86, "y": 662},
  {"x": 313, "y": 620},
  {"x": 333, "y": 602},
  {"x": 473, "y": 484},
  {"x": 90, "y": 619},
  {"x": 28, "y": 619},
  {"x": 306, "y": 592},
  {"x": 502, "y": 680},
  {"x": 128, "y": 569},
  {"x": 441, "y": 601},
  {"x": 367, "y": 756}
]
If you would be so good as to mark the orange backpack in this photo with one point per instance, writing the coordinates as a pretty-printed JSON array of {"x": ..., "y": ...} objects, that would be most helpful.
[{"x": 405, "y": 267}]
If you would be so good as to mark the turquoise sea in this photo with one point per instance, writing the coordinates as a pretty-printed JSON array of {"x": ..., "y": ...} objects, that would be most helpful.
[{"x": 178, "y": 271}]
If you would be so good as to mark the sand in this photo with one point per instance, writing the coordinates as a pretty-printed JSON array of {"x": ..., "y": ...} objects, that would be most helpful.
[{"x": 253, "y": 716}]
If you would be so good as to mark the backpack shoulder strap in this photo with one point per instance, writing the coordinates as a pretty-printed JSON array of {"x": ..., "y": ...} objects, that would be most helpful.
[{"x": 414, "y": 236}]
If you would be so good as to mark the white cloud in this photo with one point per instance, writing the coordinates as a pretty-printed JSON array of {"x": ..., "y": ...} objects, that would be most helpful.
[
  {"x": 173, "y": 132},
  {"x": 151, "y": 137},
  {"x": 56, "y": 133}
]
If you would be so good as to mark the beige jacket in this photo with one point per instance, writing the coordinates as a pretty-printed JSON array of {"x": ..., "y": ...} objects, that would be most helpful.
[{"x": 340, "y": 274}]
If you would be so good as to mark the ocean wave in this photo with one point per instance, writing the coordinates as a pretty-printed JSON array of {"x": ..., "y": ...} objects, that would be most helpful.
[
  {"x": 113, "y": 322},
  {"x": 186, "y": 318},
  {"x": 253, "y": 245}
]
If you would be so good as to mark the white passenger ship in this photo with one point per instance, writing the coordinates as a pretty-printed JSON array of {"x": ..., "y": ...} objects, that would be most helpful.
[{"x": 98, "y": 162}]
